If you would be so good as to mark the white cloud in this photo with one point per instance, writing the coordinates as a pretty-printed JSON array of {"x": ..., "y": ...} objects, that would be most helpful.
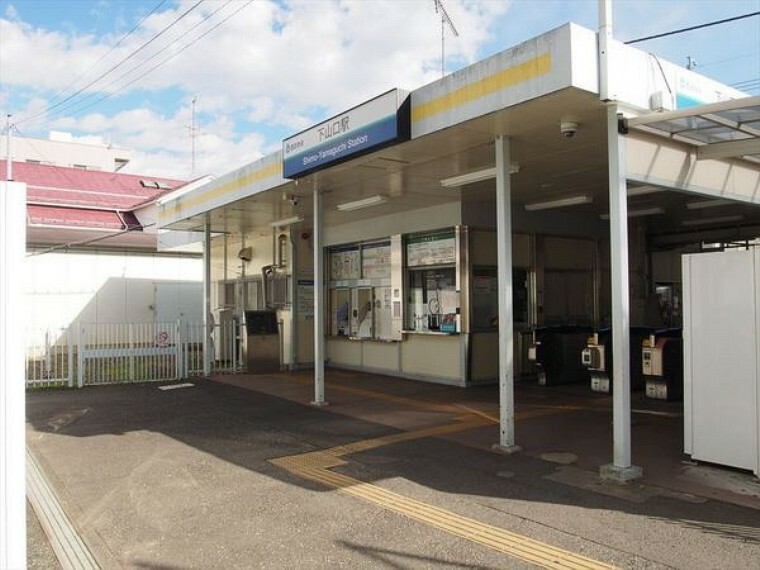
[{"x": 279, "y": 66}]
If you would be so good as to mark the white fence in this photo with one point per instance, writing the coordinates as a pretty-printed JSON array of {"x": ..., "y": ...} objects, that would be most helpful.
[{"x": 117, "y": 353}]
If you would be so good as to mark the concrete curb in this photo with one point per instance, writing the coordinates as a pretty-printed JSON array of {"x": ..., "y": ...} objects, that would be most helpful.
[{"x": 67, "y": 544}]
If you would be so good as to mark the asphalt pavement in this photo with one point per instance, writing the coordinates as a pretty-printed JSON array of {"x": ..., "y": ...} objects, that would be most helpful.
[{"x": 398, "y": 475}]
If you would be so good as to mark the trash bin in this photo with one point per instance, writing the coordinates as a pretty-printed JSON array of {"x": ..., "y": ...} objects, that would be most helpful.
[{"x": 261, "y": 349}]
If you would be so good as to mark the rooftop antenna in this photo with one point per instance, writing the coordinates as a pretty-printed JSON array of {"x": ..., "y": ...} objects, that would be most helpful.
[
  {"x": 445, "y": 21},
  {"x": 193, "y": 129}
]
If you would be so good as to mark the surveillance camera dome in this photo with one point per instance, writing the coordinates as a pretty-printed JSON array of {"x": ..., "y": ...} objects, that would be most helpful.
[{"x": 568, "y": 128}]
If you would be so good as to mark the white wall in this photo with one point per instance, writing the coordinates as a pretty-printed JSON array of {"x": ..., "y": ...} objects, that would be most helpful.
[
  {"x": 67, "y": 153},
  {"x": 104, "y": 287}
]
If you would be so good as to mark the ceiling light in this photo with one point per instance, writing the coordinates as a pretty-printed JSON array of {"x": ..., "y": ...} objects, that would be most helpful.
[
  {"x": 639, "y": 213},
  {"x": 560, "y": 203},
  {"x": 286, "y": 222},
  {"x": 718, "y": 220},
  {"x": 375, "y": 200},
  {"x": 644, "y": 190},
  {"x": 701, "y": 205},
  {"x": 476, "y": 176}
]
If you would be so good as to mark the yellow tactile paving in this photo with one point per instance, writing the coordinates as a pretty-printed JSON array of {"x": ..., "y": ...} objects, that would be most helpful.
[{"x": 315, "y": 466}]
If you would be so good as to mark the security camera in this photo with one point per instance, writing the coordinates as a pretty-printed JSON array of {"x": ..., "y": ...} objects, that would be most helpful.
[
  {"x": 293, "y": 200},
  {"x": 568, "y": 129}
]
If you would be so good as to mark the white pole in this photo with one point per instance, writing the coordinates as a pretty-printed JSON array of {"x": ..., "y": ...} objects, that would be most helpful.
[
  {"x": 506, "y": 317},
  {"x": 319, "y": 302},
  {"x": 207, "y": 326},
  {"x": 12, "y": 394},
  {"x": 621, "y": 469},
  {"x": 8, "y": 150},
  {"x": 605, "y": 41}
]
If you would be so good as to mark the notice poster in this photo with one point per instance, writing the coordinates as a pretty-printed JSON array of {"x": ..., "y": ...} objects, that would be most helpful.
[
  {"x": 344, "y": 264},
  {"x": 376, "y": 261},
  {"x": 306, "y": 298},
  {"x": 431, "y": 249}
]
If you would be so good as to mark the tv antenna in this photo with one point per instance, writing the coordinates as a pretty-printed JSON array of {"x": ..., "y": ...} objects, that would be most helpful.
[
  {"x": 445, "y": 21},
  {"x": 193, "y": 130}
]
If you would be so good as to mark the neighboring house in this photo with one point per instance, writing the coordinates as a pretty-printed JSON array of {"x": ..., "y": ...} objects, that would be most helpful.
[{"x": 92, "y": 247}]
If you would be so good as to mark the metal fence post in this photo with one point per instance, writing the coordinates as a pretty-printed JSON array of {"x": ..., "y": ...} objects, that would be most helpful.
[
  {"x": 178, "y": 349},
  {"x": 131, "y": 353},
  {"x": 70, "y": 346},
  {"x": 80, "y": 354}
]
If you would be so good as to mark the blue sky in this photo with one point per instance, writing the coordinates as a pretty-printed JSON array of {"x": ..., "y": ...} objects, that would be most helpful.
[{"x": 275, "y": 67}]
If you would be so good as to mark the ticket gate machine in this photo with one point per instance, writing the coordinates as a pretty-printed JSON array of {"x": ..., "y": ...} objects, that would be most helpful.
[
  {"x": 597, "y": 358},
  {"x": 662, "y": 364},
  {"x": 555, "y": 353}
]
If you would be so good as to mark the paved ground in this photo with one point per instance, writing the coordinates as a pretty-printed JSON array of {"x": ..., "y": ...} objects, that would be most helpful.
[
  {"x": 240, "y": 473},
  {"x": 40, "y": 555}
]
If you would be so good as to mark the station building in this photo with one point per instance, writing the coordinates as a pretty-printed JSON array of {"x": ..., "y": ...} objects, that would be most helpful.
[{"x": 560, "y": 183}]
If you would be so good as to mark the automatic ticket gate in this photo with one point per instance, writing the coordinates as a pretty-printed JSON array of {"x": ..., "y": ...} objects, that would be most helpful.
[
  {"x": 261, "y": 345},
  {"x": 555, "y": 353},
  {"x": 662, "y": 364},
  {"x": 597, "y": 358}
]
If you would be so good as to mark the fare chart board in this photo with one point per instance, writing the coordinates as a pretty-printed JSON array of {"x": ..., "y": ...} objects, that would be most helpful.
[{"x": 431, "y": 249}]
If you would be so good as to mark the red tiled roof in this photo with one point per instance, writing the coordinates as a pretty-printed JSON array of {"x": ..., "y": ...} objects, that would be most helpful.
[
  {"x": 79, "y": 218},
  {"x": 61, "y": 186}
]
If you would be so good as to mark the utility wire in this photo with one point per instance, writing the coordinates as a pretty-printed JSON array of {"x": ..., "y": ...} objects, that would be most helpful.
[
  {"x": 691, "y": 28},
  {"x": 89, "y": 96},
  {"x": 119, "y": 64},
  {"x": 165, "y": 60},
  {"x": 106, "y": 55}
]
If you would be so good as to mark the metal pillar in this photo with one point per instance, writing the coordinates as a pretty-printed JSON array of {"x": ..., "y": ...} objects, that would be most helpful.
[
  {"x": 319, "y": 302},
  {"x": 208, "y": 326},
  {"x": 506, "y": 314},
  {"x": 12, "y": 395},
  {"x": 620, "y": 469}
]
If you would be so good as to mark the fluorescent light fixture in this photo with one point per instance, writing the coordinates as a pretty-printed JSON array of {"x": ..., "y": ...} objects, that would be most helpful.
[
  {"x": 644, "y": 190},
  {"x": 476, "y": 176},
  {"x": 560, "y": 203},
  {"x": 718, "y": 220},
  {"x": 639, "y": 213},
  {"x": 375, "y": 200},
  {"x": 702, "y": 204},
  {"x": 286, "y": 222}
]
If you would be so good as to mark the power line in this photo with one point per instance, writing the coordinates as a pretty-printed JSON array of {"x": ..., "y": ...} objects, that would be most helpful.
[
  {"x": 89, "y": 96},
  {"x": 113, "y": 48},
  {"x": 165, "y": 60},
  {"x": 119, "y": 64},
  {"x": 691, "y": 28}
]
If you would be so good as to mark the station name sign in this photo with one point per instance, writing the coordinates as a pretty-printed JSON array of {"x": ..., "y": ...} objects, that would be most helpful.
[{"x": 379, "y": 122}]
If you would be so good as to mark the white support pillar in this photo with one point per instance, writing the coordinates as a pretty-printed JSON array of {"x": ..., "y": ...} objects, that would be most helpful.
[
  {"x": 620, "y": 469},
  {"x": 319, "y": 302},
  {"x": 207, "y": 318},
  {"x": 12, "y": 389},
  {"x": 506, "y": 314}
]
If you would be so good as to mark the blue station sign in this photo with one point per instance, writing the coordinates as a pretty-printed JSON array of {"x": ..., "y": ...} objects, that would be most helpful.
[{"x": 379, "y": 122}]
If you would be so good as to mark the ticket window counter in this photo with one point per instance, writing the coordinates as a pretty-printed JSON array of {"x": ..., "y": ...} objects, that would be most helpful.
[{"x": 433, "y": 300}]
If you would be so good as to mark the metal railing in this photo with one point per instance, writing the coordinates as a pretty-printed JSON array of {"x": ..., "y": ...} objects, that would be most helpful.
[{"x": 118, "y": 353}]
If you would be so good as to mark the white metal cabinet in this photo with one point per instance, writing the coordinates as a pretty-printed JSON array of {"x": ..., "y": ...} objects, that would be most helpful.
[{"x": 721, "y": 336}]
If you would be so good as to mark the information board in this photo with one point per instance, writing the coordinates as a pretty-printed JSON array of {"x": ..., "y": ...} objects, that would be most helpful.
[
  {"x": 431, "y": 249},
  {"x": 345, "y": 263},
  {"x": 376, "y": 261}
]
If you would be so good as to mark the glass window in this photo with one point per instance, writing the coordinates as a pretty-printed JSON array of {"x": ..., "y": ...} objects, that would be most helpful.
[{"x": 432, "y": 300}]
